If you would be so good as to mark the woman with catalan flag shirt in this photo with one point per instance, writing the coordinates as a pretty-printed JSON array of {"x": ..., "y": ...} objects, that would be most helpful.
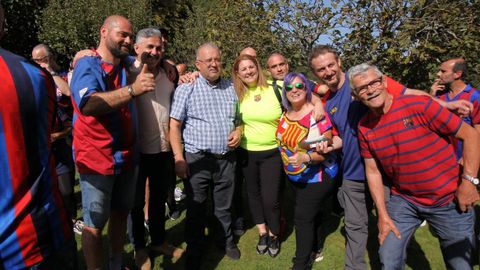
[{"x": 311, "y": 174}]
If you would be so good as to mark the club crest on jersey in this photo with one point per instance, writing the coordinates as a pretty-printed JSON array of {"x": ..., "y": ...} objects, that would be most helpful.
[
  {"x": 333, "y": 110},
  {"x": 408, "y": 122}
]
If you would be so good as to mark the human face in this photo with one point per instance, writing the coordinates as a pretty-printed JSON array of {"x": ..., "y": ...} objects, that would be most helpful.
[
  {"x": 248, "y": 72},
  {"x": 209, "y": 63},
  {"x": 445, "y": 74},
  {"x": 149, "y": 50},
  {"x": 118, "y": 38},
  {"x": 371, "y": 90},
  {"x": 297, "y": 96},
  {"x": 40, "y": 56},
  {"x": 277, "y": 66},
  {"x": 328, "y": 69}
]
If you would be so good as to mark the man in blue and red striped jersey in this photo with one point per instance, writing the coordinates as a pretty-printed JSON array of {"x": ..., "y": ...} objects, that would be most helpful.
[
  {"x": 34, "y": 228},
  {"x": 104, "y": 138},
  {"x": 406, "y": 137},
  {"x": 345, "y": 112},
  {"x": 450, "y": 85}
]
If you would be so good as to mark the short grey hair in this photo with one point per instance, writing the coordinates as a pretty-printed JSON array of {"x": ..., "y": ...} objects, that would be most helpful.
[
  {"x": 147, "y": 33},
  {"x": 361, "y": 69},
  {"x": 206, "y": 45}
]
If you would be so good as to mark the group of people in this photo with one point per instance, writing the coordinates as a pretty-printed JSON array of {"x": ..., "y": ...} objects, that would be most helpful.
[{"x": 359, "y": 134}]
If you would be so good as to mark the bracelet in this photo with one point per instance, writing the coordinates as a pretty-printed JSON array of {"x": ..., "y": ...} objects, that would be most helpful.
[
  {"x": 309, "y": 159},
  {"x": 131, "y": 92}
]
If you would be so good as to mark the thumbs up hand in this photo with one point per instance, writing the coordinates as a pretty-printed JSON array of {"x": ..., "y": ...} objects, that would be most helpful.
[
  {"x": 145, "y": 81},
  {"x": 297, "y": 159}
]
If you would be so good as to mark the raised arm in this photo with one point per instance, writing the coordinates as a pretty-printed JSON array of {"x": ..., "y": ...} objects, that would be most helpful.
[{"x": 101, "y": 103}]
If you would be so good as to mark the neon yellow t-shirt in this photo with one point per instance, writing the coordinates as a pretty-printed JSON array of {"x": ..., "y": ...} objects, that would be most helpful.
[{"x": 260, "y": 112}]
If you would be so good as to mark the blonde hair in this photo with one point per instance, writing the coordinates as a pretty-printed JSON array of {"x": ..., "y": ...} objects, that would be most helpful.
[{"x": 240, "y": 87}]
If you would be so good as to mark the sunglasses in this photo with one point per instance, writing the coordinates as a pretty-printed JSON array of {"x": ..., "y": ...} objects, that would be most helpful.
[{"x": 299, "y": 86}]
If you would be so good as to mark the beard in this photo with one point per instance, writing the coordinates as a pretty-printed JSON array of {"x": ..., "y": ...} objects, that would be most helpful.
[{"x": 117, "y": 51}]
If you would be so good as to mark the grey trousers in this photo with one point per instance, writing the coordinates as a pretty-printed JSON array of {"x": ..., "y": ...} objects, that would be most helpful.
[{"x": 356, "y": 201}]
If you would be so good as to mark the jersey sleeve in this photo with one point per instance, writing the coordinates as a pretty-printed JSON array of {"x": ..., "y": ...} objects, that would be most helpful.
[
  {"x": 324, "y": 124},
  {"x": 85, "y": 80},
  {"x": 364, "y": 148},
  {"x": 393, "y": 87},
  {"x": 440, "y": 119},
  {"x": 475, "y": 100}
]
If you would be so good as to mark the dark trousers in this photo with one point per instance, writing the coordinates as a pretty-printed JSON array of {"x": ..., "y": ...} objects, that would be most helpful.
[
  {"x": 208, "y": 171},
  {"x": 308, "y": 202},
  {"x": 159, "y": 169},
  {"x": 238, "y": 221},
  {"x": 263, "y": 177}
]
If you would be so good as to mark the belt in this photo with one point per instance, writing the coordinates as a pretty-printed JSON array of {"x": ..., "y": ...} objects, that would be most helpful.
[{"x": 216, "y": 156}]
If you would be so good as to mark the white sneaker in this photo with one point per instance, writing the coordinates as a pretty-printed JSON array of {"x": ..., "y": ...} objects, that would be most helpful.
[
  {"x": 178, "y": 194},
  {"x": 78, "y": 227},
  {"x": 424, "y": 222}
]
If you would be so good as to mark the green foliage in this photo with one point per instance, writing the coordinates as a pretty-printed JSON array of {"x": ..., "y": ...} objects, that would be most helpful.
[
  {"x": 299, "y": 26},
  {"x": 409, "y": 39},
  {"x": 68, "y": 26},
  {"x": 21, "y": 25},
  {"x": 230, "y": 25}
]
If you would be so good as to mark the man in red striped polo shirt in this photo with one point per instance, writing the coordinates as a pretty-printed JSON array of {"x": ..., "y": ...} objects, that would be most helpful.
[{"x": 407, "y": 138}]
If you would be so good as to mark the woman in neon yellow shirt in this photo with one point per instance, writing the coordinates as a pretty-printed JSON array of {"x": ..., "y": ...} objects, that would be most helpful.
[{"x": 258, "y": 156}]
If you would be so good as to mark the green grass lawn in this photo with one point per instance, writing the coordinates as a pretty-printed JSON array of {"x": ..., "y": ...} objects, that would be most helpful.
[{"x": 423, "y": 252}]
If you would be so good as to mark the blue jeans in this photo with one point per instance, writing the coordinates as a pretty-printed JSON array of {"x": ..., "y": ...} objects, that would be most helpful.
[
  {"x": 103, "y": 193},
  {"x": 453, "y": 228}
]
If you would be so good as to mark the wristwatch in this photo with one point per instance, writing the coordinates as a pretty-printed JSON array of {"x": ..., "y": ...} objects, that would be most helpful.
[
  {"x": 471, "y": 179},
  {"x": 131, "y": 91}
]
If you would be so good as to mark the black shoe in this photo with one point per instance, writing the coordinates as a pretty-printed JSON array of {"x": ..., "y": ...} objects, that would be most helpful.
[
  {"x": 262, "y": 245},
  {"x": 238, "y": 227},
  {"x": 274, "y": 246},
  {"x": 232, "y": 252}
]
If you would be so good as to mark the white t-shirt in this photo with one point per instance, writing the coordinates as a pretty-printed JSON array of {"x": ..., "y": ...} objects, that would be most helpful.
[{"x": 154, "y": 114}]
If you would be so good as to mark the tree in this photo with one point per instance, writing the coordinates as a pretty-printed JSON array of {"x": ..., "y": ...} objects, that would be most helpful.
[
  {"x": 232, "y": 25},
  {"x": 408, "y": 39},
  {"x": 72, "y": 25},
  {"x": 299, "y": 25},
  {"x": 21, "y": 25}
]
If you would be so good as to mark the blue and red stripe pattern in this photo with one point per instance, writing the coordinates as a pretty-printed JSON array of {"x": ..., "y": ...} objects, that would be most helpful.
[
  {"x": 411, "y": 143},
  {"x": 104, "y": 144},
  {"x": 473, "y": 95},
  {"x": 33, "y": 222}
]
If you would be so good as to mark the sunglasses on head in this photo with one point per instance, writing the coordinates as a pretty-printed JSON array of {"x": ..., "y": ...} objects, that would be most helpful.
[{"x": 300, "y": 86}]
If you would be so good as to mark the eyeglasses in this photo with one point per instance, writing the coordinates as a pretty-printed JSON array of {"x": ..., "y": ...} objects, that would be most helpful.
[
  {"x": 41, "y": 59},
  {"x": 299, "y": 86},
  {"x": 374, "y": 83},
  {"x": 210, "y": 61}
]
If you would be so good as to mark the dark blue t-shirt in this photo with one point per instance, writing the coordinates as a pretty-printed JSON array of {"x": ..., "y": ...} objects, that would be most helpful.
[{"x": 345, "y": 113}]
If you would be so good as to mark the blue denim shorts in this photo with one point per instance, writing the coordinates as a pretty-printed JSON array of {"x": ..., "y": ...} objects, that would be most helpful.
[{"x": 103, "y": 193}]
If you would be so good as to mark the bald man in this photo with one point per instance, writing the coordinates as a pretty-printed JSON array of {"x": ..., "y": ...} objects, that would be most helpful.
[
  {"x": 250, "y": 51},
  {"x": 104, "y": 140},
  {"x": 451, "y": 85}
]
